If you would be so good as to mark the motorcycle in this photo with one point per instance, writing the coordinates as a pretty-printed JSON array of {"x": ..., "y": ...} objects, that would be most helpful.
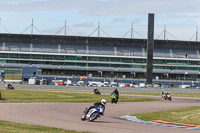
[
  {"x": 93, "y": 113},
  {"x": 114, "y": 98},
  {"x": 9, "y": 86},
  {"x": 96, "y": 91},
  {"x": 167, "y": 97}
]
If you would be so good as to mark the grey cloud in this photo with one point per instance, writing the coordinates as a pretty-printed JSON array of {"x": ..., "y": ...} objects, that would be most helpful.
[
  {"x": 142, "y": 7},
  {"x": 103, "y": 7}
]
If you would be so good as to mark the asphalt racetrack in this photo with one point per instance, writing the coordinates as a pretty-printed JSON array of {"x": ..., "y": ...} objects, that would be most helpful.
[{"x": 67, "y": 115}]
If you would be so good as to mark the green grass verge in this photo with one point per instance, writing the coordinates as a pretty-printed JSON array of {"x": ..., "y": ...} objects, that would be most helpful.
[
  {"x": 11, "y": 127},
  {"x": 49, "y": 96},
  {"x": 197, "y": 95},
  {"x": 135, "y": 93},
  {"x": 190, "y": 115}
]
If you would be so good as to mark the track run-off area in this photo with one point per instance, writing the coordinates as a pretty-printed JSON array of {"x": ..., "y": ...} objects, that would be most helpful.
[{"x": 67, "y": 115}]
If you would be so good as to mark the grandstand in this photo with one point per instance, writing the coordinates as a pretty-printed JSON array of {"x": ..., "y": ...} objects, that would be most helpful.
[{"x": 98, "y": 56}]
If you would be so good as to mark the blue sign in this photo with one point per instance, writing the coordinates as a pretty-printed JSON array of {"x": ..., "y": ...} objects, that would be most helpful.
[{"x": 3, "y": 75}]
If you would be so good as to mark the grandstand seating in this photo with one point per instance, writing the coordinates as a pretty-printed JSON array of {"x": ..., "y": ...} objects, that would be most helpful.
[
  {"x": 46, "y": 48},
  {"x": 101, "y": 50},
  {"x": 98, "y": 50},
  {"x": 159, "y": 52},
  {"x": 17, "y": 47},
  {"x": 73, "y": 48},
  {"x": 129, "y": 51},
  {"x": 184, "y": 53}
]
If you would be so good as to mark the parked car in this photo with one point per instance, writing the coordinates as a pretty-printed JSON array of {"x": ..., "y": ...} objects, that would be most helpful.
[
  {"x": 142, "y": 85},
  {"x": 106, "y": 84},
  {"x": 127, "y": 85},
  {"x": 92, "y": 84},
  {"x": 81, "y": 83},
  {"x": 113, "y": 84},
  {"x": 183, "y": 86}
]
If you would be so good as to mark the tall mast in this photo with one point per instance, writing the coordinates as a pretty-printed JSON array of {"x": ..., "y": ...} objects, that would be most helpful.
[
  {"x": 165, "y": 32},
  {"x": 98, "y": 29},
  {"x": 132, "y": 31},
  {"x": 32, "y": 27},
  {"x": 65, "y": 27},
  {"x": 197, "y": 34}
]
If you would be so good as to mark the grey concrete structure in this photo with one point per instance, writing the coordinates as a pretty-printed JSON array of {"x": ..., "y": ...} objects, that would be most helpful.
[{"x": 150, "y": 47}]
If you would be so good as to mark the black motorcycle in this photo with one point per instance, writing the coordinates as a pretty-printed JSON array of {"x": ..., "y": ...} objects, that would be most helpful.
[
  {"x": 96, "y": 91},
  {"x": 10, "y": 87}
]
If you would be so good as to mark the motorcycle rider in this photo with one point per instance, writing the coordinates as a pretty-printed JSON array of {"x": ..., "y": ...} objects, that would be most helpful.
[
  {"x": 162, "y": 93},
  {"x": 9, "y": 85},
  {"x": 166, "y": 93},
  {"x": 96, "y": 91},
  {"x": 102, "y": 103},
  {"x": 116, "y": 92}
]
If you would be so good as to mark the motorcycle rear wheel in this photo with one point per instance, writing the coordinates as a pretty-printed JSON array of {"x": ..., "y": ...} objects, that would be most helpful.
[{"x": 92, "y": 118}]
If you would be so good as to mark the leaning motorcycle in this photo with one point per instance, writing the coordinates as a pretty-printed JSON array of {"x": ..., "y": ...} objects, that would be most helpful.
[
  {"x": 96, "y": 91},
  {"x": 92, "y": 114},
  {"x": 9, "y": 87},
  {"x": 114, "y": 98}
]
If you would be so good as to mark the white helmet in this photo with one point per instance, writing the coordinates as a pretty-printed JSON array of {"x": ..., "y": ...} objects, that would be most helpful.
[{"x": 103, "y": 101}]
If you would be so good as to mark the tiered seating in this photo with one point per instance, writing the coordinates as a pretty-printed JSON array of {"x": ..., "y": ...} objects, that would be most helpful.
[
  {"x": 184, "y": 53},
  {"x": 73, "y": 48},
  {"x": 159, "y": 52},
  {"x": 45, "y": 48},
  {"x": 17, "y": 47},
  {"x": 129, "y": 51},
  {"x": 101, "y": 50},
  {"x": 121, "y": 50}
]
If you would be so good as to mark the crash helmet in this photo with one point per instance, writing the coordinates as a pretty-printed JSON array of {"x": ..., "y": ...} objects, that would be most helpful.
[{"x": 103, "y": 101}]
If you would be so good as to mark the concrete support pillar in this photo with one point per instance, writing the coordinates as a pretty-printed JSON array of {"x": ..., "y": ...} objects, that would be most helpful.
[
  {"x": 150, "y": 48},
  {"x": 87, "y": 49},
  {"x": 59, "y": 48},
  {"x": 115, "y": 49},
  {"x": 4, "y": 46},
  {"x": 31, "y": 47}
]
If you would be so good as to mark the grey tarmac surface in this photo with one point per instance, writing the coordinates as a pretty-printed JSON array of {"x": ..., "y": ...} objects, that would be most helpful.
[{"x": 67, "y": 115}]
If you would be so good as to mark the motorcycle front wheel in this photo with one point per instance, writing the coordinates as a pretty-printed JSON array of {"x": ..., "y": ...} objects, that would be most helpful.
[
  {"x": 170, "y": 98},
  {"x": 83, "y": 117},
  {"x": 113, "y": 100}
]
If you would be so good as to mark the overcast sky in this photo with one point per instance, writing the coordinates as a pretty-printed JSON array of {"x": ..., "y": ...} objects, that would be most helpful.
[{"x": 181, "y": 17}]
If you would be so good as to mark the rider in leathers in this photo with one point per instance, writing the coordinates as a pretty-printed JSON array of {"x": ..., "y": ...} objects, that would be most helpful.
[
  {"x": 116, "y": 92},
  {"x": 102, "y": 103}
]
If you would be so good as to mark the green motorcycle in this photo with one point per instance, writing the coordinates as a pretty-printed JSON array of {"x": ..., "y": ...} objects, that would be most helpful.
[{"x": 114, "y": 98}]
